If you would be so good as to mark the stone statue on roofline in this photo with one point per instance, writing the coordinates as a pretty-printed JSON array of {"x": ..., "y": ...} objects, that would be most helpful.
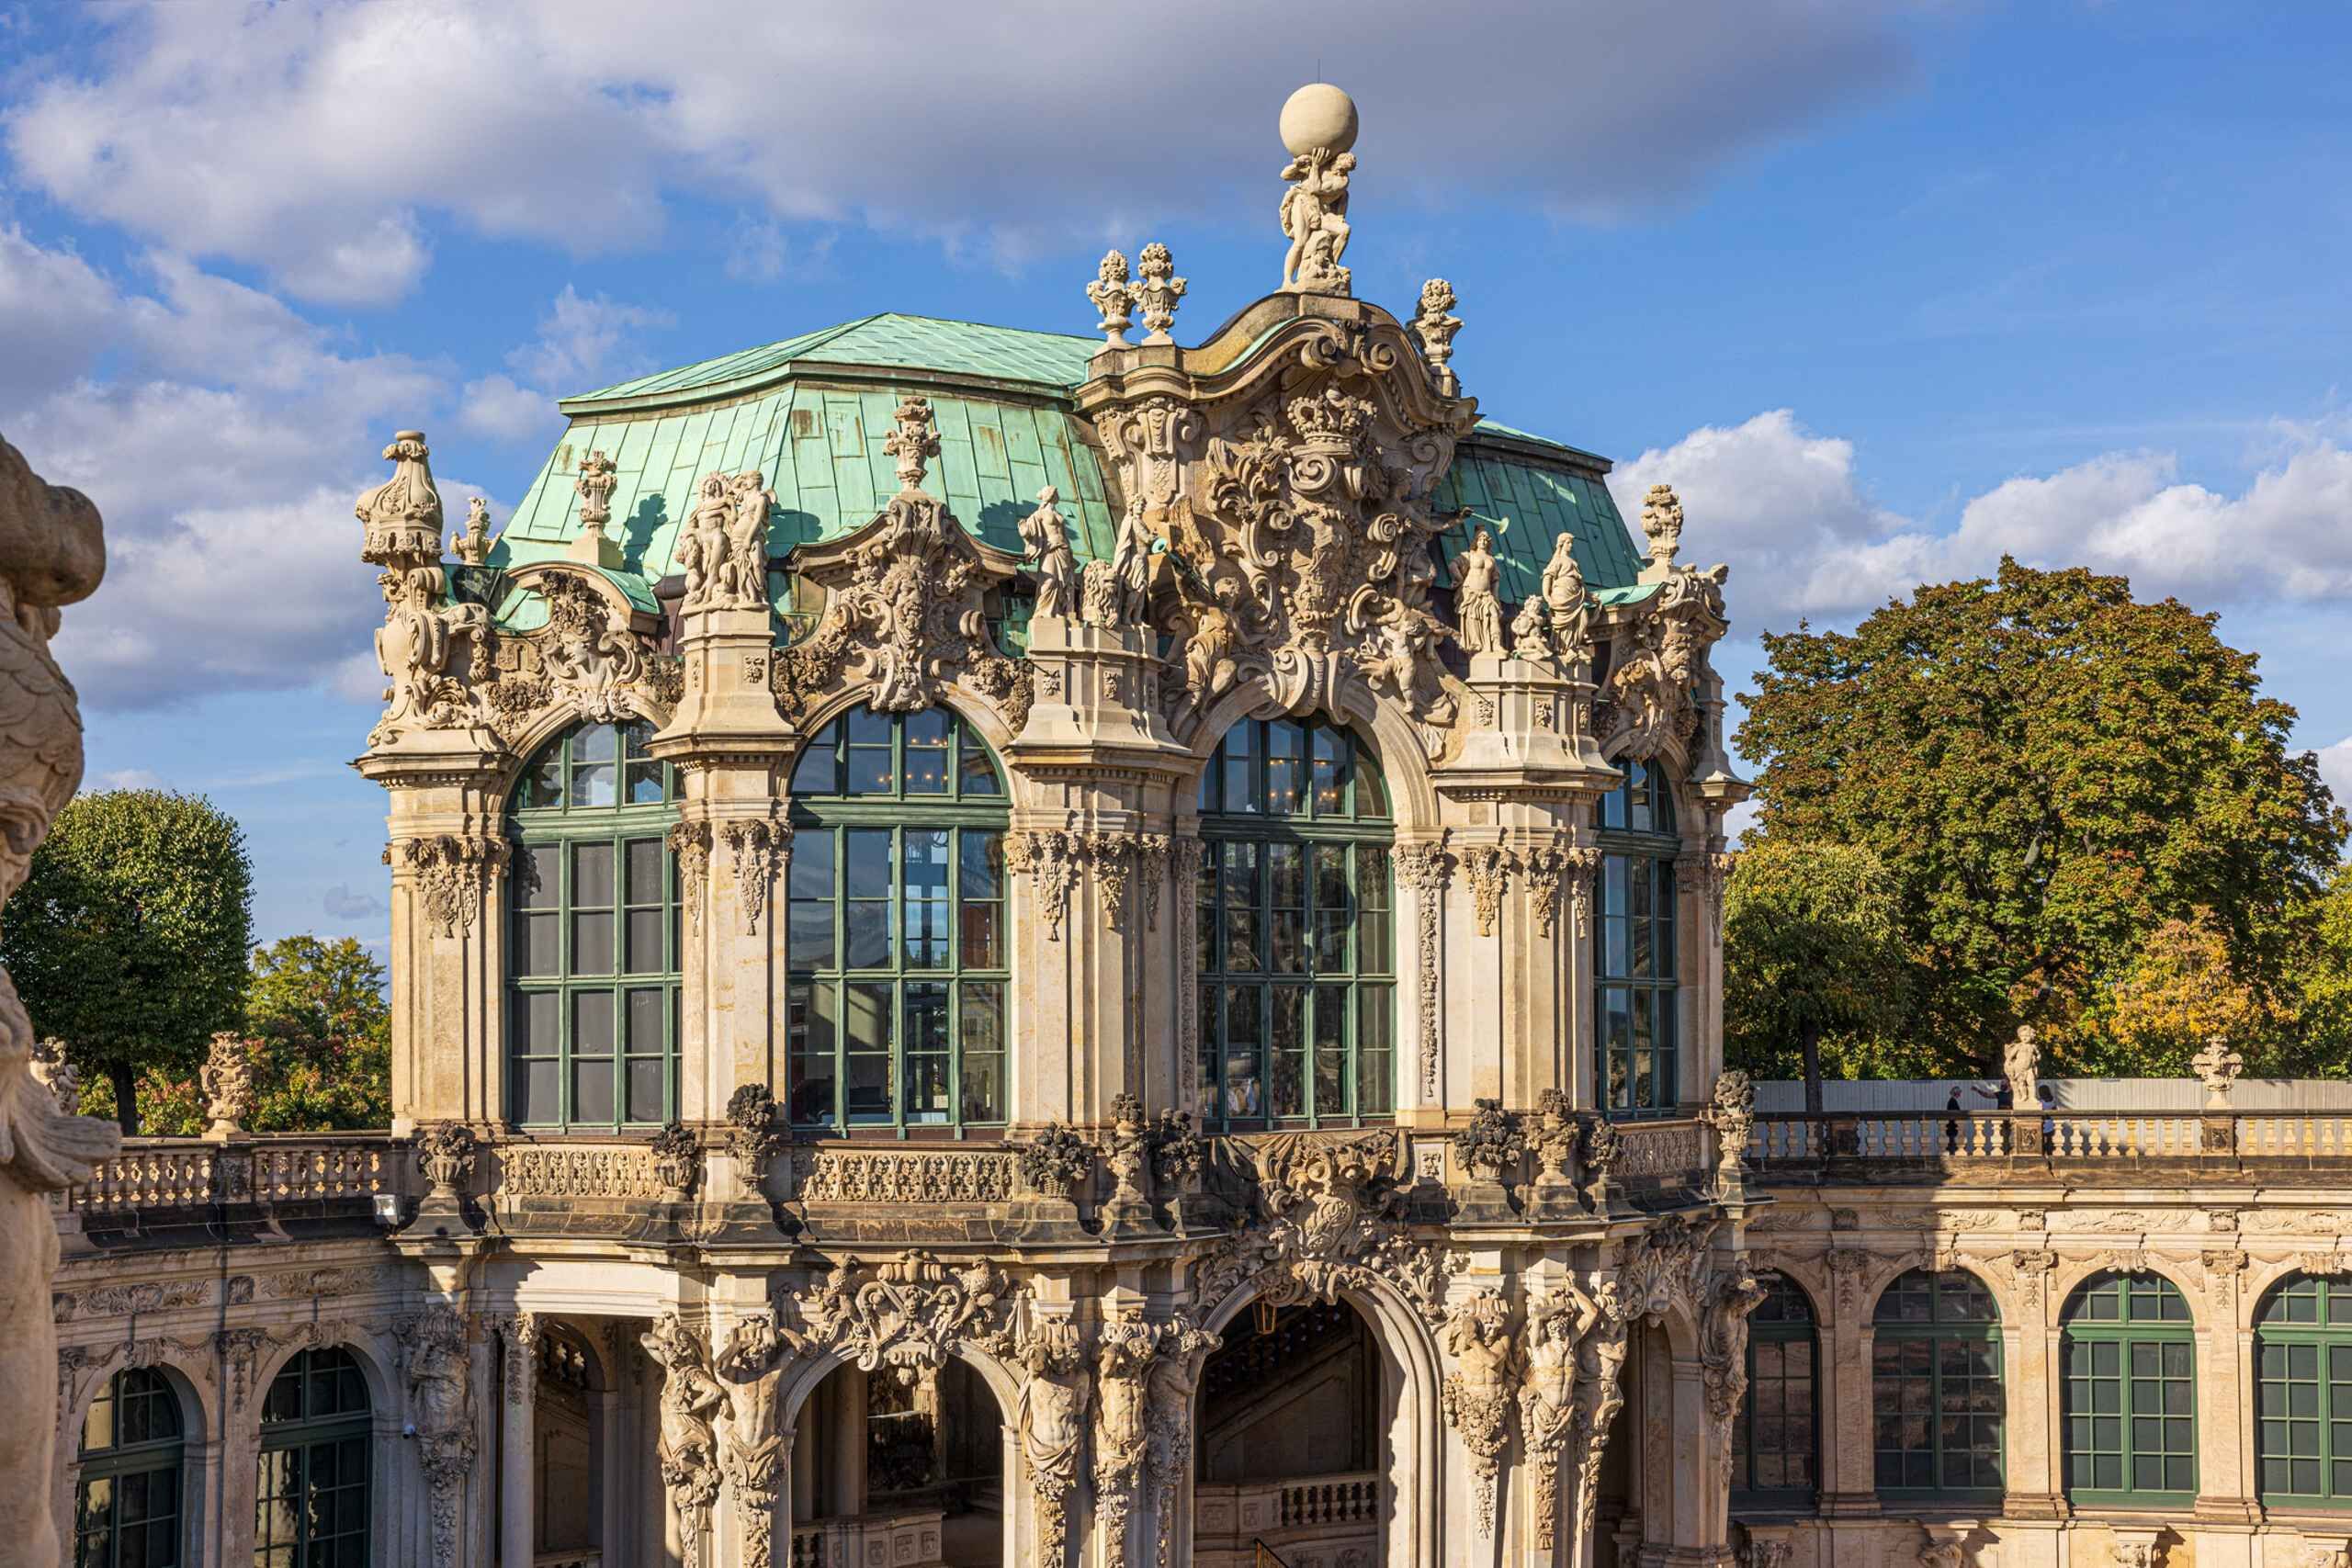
[
  {"x": 2021, "y": 1064},
  {"x": 1044, "y": 535},
  {"x": 1318, "y": 126},
  {"x": 1477, "y": 576},
  {"x": 52, "y": 552}
]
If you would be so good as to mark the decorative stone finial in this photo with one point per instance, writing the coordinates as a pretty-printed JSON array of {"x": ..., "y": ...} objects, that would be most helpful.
[
  {"x": 595, "y": 487},
  {"x": 1662, "y": 526},
  {"x": 403, "y": 515},
  {"x": 1318, "y": 126},
  {"x": 2216, "y": 1067},
  {"x": 1115, "y": 296},
  {"x": 1158, "y": 292},
  {"x": 473, "y": 544},
  {"x": 228, "y": 1081},
  {"x": 1435, "y": 329},
  {"x": 913, "y": 440}
]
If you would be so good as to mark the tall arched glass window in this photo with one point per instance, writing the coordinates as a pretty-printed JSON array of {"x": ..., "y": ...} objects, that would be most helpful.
[
  {"x": 899, "y": 944},
  {"x": 1634, "y": 946},
  {"x": 1936, "y": 1400},
  {"x": 127, "y": 1505},
  {"x": 592, "y": 1024},
  {"x": 1297, "y": 960},
  {"x": 2131, "y": 1369},
  {"x": 2303, "y": 1358},
  {"x": 1777, "y": 1437},
  {"x": 312, "y": 1503}
]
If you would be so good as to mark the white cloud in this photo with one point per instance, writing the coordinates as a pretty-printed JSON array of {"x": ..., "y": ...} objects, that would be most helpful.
[
  {"x": 2336, "y": 768},
  {"x": 581, "y": 344},
  {"x": 494, "y": 406},
  {"x": 314, "y": 138},
  {"x": 224, "y": 456},
  {"x": 54, "y": 313},
  {"x": 127, "y": 778},
  {"x": 1790, "y": 510}
]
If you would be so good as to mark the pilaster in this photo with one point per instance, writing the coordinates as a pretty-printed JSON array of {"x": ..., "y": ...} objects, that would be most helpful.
[
  {"x": 517, "y": 1441},
  {"x": 732, "y": 846}
]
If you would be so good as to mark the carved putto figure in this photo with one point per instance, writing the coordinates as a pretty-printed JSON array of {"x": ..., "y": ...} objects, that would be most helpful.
[
  {"x": 1046, "y": 534},
  {"x": 1477, "y": 577},
  {"x": 227, "y": 1078},
  {"x": 1115, "y": 296},
  {"x": 2021, "y": 1064}
]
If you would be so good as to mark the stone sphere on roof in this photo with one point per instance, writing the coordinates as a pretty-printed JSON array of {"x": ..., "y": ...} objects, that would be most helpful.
[{"x": 1318, "y": 114}]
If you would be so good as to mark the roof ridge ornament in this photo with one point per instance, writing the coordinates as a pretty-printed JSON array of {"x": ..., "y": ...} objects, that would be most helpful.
[
  {"x": 1158, "y": 292},
  {"x": 596, "y": 485},
  {"x": 1662, "y": 526},
  {"x": 1318, "y": 127},
  {"x": 1115, "y": 296},
  {"x": 1434, "y": 327},
  {"x": 913, "y": 440}
]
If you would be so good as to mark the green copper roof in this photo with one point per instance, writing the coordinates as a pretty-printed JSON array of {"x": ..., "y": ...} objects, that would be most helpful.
[{"x": 811, "y": 412}]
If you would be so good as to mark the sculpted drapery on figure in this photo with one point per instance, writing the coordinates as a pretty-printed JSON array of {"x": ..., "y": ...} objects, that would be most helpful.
[
  {"x": 1475, "y": 606},
  {"x": 52, "y": 552},
  {"x": 1045, "y": 534}
]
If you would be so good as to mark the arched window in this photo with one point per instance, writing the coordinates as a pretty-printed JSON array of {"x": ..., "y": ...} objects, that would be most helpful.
[
  {"x": 1777, "y": 1437},
  {"x": 310, "y": 1506},
  {"x": 1297, "y": 965},
  {"x": 2130, "y": 1392},
  {"x": 1634, "y": 946},
  {"x": 592, "y": 1031},
  {"x": 2302, "y": 1348},
  {"x": 1936, "y": 1401},
  {"x": 900, "y": 945},
  {"x": 126, "y": 1506}
]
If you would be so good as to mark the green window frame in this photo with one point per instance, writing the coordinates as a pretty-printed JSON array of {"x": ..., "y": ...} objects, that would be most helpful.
[
  {"x": 593, "y": 967},
  {"x": 1776, "y": 1441},
  {"x": 896, "y": 928},
  {"x": 1296, "y": 936},
  {"x": 1637, "y": 1055},
  {"x": 1937, "y": 1402},
  {"x": 127, "y": 1503},
  {"x": 2303, "y": 1356},
  {"x": 2130, "y": 1357},
  {"x": 313, "y": 1500}
]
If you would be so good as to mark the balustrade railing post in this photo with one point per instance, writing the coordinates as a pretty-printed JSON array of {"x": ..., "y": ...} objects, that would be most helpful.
[{"x": 2220, "y": 1136}]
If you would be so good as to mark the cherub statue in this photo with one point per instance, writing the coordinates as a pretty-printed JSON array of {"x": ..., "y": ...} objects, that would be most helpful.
[
  {"x": 2021, "y": 1064},
  {"x": 1047, "y": 537},
  {"x": 1477, "y": 576}
]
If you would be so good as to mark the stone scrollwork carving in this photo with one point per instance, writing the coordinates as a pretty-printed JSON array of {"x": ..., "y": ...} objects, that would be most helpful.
[
  {"x": 453, "y": 874},
  {"x": 1489, "y": 868},
  {"x": 1052, "y": 857},
  {"x": 755, "y": 852},
  {"x": 906, "y": 1315},
  {"x": 1169, "y": 1421},
  {"x": 1151, "y": 866},
  {"x": 905, "y": 599},
  {"x": 1112, "y": 856},
  {"x": 690, "y": 844},
  {"x": 688, "y": 1451},
  {"x": 401, "y": 519},
  {"x": 441, "y": 1406},
  {"x": 1423, "y": 868},
  {"x": 1477, "y": 1396}
]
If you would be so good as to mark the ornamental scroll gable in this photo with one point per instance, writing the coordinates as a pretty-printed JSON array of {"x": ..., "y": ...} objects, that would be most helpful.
[
  {"x": 1658, "y": 646},
  {"x": 906, "y": 602},
  {"x": 447, "y": 665},
  {"x": 1280, "y": 477}
]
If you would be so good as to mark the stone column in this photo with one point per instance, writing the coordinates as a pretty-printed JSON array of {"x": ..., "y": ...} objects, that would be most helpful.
[
  {"x": 729, "y": 742},
  {"x": 518, "y": 1512}
]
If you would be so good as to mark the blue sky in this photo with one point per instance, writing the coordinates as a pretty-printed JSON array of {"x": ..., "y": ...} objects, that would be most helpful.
[{"x": 1885, "y": 290}]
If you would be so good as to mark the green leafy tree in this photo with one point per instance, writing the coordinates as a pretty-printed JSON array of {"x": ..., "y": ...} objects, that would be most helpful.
[
  {"x": 2177, "y": 993},
  {"x": 128, "y": 940},
  {"x": 1812, "y": 951},
  {"x": 2050, "y": 771},
  {"x": 323, "y": 1035},
  {"x": 2323, "y": 985}
]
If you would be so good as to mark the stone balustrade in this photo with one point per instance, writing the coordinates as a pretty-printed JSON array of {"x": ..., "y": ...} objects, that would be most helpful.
[
  {"x": 1785, "y": 1142},
  {"x": 901, "y": 1540},
  {"x": 1319, "y": 1515},
  {"x": 264, "y": 1171}
]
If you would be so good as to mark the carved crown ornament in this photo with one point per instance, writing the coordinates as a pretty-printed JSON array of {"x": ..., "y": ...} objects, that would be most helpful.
[{"x": 449, "y": 668}]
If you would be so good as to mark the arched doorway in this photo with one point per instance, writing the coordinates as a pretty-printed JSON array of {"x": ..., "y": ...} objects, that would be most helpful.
[
  {"x": 1290, "y": 1432},
  {"x": 903, "y": 1465},
  {"x": 566, "y": 1442}
]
